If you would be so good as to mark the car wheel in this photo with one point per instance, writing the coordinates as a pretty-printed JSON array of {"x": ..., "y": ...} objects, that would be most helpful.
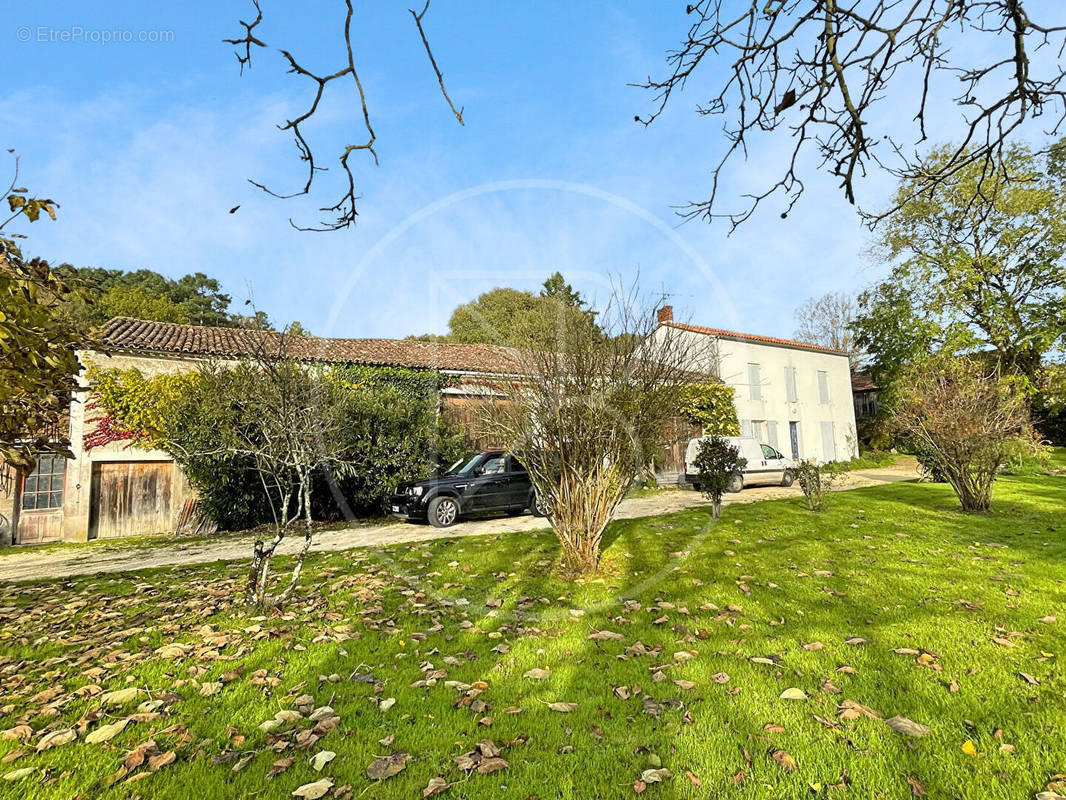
[
  {"x": 788, "y": 478},
  {"x": 736, "y": 483},
  {"x": 443, "y": 512},
  {"x": 537, "y": 506}
]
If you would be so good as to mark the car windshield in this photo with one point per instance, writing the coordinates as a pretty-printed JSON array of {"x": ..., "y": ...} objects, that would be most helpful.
[{"x": 459, "y": 468}]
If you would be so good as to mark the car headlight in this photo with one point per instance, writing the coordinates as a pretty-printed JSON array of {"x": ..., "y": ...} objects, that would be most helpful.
[{"x": 416, "y": 491}]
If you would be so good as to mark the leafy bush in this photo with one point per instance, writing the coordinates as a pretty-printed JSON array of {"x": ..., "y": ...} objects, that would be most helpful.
[
  {"x": 393, "y": 433},
  {"x": 711, "y": 406},
  {"x": 717, "y": 462},
  {"x": 815, "y": 480}
]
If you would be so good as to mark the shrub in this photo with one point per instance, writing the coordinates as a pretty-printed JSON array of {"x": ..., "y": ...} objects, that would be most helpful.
[
  {"x": 393, "y": 432},
  {"x": 962, "y": 419},
  {"x": 711, "y": 406},
  {"x": 815, "y": 480},
  {"x": 717, "y": 462}
]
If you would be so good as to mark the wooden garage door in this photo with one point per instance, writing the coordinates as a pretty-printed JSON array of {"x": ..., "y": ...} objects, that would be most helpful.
[{"x": 130, "y": 498}]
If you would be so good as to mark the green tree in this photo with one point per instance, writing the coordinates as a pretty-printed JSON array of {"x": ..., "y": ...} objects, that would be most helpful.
[
  {"x": 978, "y": 264},
  {"x": 37, "y": 345},
  {"x": 717, "y": 462},
  {"x": 145, "y": 294},
  {"x": 506, "y": 316},
  {"x": 495, "y": 317}
]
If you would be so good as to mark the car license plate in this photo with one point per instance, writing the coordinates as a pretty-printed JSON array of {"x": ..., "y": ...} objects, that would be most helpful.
[{"x": 396, "y": 509}]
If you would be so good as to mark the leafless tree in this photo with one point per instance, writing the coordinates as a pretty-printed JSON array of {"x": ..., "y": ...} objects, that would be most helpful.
[
  {"x": 964, "y": 417},
  {"x": 591, "y": 408},
  {"x": 286, "y": 416},
  {"x": 344, "y": 210},
  {"x": 826, "y": 321},
  {"x": 819, "y": 69}
]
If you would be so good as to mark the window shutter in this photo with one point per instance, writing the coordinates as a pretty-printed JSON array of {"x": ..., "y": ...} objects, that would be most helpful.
[
  {"x": 790, "y": 384},
  {"x": 772, "y": 433},
  {"x": 754, "y": 382},
  {"x": 823, "y": 387},
  {"x": 745, "y": 428},
  {"x": 829, "y": 447}
]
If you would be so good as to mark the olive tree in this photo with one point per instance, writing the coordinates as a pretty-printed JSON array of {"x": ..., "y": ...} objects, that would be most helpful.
[
  {"x": 965, "y": 417},
  {"x": 586, "y": 408}
]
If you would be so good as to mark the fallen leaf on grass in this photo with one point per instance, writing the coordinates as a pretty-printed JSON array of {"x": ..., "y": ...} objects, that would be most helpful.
[
  {"x": 280, "y": 766},
  {"x": 388, "y": 766},
  {"x": 1030, "y": 679},
  {"x": 916, "y": 788},
  {"x": 22, "y": 732},
  {"x": 434, "y": 787},
  {"x": 655, "y": 775},
  {"x": 321, "y": 758},
  {"x": 907, "y": 727},
  {"x": 969, "y": 748},
  {"x": 106, "y": 733},
  {"x": 19, "y": 774},
  {"x": 56, "y": 739},
  {"x": 793, "y": 694},
  {"x": 156, "y": 763},
  {"x": 603, "y": 636},
  {"x": 120, "y": 697},
  {"x": 493, "y": 764},
  {"x": 784, "y": 760},
  {"x": 537, "y": 674},
  {"x": 313, "y": 791},
  {"x": 564, "y": 708}
]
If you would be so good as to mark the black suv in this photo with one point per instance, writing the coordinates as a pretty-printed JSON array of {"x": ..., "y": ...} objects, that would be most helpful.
[{"x": 490, "y": 481}]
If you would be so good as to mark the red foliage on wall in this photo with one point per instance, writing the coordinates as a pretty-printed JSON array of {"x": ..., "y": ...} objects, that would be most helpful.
[{"x": 105, "y": 432}]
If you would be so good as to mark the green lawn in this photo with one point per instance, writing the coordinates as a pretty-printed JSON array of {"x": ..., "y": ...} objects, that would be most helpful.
[{"x": 448, "y": 631}]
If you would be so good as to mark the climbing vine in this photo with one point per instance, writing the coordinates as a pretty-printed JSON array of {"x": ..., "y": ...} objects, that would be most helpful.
[{"x": 709, "y": 405}]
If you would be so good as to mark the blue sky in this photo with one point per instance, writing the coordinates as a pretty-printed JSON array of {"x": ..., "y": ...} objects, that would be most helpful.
[{"x": 147, "y": 145}]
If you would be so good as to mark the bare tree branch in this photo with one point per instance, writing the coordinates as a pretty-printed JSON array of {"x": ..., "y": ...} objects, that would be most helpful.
[
  {"x": 440, "y": 78},
  {"x": 819, "y": 68},
  {"x": 344, "y": 211}
]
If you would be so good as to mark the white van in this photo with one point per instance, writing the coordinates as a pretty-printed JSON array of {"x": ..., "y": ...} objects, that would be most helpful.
[{"x": 765, "y": 464}]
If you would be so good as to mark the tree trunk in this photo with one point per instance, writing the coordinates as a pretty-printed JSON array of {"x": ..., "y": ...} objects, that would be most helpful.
[{"x": 716, "y": 507}]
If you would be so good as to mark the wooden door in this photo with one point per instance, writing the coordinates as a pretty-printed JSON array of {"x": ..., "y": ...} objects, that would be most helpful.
[{"x": 130, "y": 498}]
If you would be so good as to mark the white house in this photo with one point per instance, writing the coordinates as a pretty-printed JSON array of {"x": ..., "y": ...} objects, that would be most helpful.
[{"x": 792, "y": 395}]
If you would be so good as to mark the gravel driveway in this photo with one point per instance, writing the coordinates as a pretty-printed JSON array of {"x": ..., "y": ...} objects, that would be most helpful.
[{"x": 24, "y": 564}]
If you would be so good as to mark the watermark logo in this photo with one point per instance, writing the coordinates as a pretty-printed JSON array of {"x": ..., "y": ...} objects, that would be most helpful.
[{"x": 77, "y": 34}]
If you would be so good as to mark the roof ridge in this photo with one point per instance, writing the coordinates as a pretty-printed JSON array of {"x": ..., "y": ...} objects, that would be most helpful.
[{"x": 754, "y": 337}]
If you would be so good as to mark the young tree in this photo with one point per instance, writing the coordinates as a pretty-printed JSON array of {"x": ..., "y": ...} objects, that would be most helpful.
[
  {"x": 586, "y": 412},
  {"x": 717, "y": 462},
  {"x": 814, "y": 480},
  {"x": 965, "y": 416},
  {"x": 826, "y": 321}
]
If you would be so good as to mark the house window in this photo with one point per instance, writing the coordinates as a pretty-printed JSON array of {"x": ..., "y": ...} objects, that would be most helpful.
[
  {"x": 790, "y": 384},
  {"x": 823, "y": 387},
  {"x": 754, "y": 382},
  {"x": 745, "y": 428},
  {"x": 44, "y": 486}
]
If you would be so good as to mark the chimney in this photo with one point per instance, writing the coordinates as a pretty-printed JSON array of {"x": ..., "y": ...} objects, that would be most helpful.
[{"x": 666, "y": 314}]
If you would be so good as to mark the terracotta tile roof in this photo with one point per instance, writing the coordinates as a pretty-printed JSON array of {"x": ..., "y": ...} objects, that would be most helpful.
[
  {"x": 136, "y": 335},
  {"x": 751, "y": 337},
  {"x": 862, "y": 382}
]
